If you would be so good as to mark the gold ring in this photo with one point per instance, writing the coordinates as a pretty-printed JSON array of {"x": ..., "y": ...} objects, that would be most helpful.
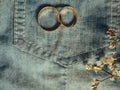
[
  {"x": 73, "y": 21},
  {"x": 54, "y": 27}
]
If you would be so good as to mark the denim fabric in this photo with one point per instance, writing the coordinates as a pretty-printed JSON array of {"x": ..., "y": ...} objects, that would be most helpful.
[{"x": 34, "y": 59}]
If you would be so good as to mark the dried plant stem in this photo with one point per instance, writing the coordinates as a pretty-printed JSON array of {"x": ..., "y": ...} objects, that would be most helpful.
[
  {"x": 105, "y": 79},
  {"x": 106, "y": 71}
]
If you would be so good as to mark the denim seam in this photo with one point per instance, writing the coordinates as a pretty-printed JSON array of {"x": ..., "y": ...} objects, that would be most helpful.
[
  {"x": 27, "y": 44},
  {"x": 117, "y": 22},
  {"x": 118, "y": 15},
  {"x": 19, "y": 24},
  {"x": 19, "y": 29},
  {"x": 65, "y": 79},
  {"x": 114, "y": 14}
]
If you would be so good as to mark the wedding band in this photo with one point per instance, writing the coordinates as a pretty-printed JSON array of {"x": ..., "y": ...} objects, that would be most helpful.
[
  {"x": 73, "y": 21},
  {"x": 59, "y": 20},
  {"x": 57, "y": 24}
]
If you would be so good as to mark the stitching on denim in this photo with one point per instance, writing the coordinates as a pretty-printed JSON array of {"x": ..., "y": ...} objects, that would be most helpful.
[
  {"x": 116, "y": 5},
  {"x": 65, "y": 78},
  {"x": 112, "y": 16},
  {"x": 18, "y": 34},
  {"x": 116, "y": 2},
  {"x": 111, "y": 21},
  {"x": 72, "y": 61},
  {"x": 118, "y": 14},
  {"x": 16, "y": 29},
  {"x": 28, "y": 42},
  {"x": 15, "y": 23}
]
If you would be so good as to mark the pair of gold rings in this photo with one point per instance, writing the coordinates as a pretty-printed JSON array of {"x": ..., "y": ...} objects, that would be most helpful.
[{"x": 59, "y": 20}]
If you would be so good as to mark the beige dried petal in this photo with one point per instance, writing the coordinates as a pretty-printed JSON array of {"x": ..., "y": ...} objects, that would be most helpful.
[
  {"x": 108, "y": 60},
  {"x": 93, "y": 88},
  {"x": 112, "y": 67},
  {"x": 98, "y": 63},
  {"x": 97, "y": 68},
  {"x": 109, "y": 36},
  {"x": 114, "y": 73},
  {"x": 112, "y": 58},
  {"x": 117, "y": 38},
  {"x": 112, "y": 78},
  {"x": 94, "y": 84},
  {"x": 111, "y": 33},
  {"x": 113, "y": 45},
  {"x": 89, "y": 66},
  {"x": 105, "y": 61},
  {"x": 117, "y": 71},
  {"x": 95, "y": 81}
]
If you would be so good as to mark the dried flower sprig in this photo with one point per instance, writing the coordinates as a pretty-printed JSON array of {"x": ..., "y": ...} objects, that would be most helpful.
[
  {"x": 113, "y": 45},
  {"x": 109, "y": 61},
  {"x": 99, "y": 65},
  {"x": 111, "y": 33},
  {"x": 94, "y": 84}
]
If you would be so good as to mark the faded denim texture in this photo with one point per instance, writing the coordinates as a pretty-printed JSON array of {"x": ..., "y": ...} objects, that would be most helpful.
[{"x": 34, "y": 59}]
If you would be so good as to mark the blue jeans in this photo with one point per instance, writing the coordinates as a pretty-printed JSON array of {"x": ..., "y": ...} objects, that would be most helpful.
[{"x": 34, "y": 59}]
